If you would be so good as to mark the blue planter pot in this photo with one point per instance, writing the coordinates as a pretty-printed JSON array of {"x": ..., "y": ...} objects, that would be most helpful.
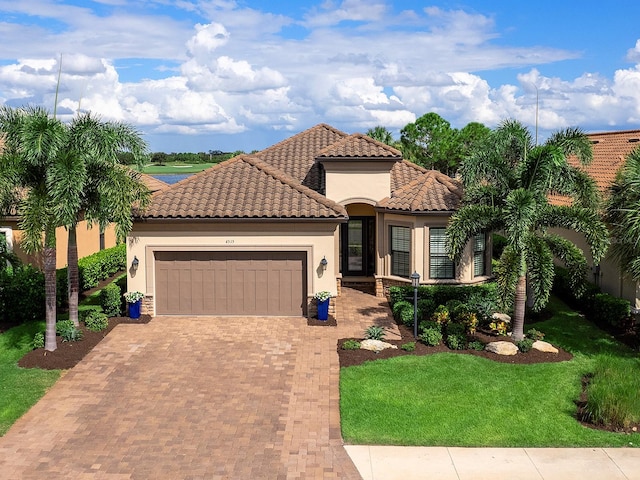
[
  {"x": 134, "y": 309},
  {"x": 323, "y": 309}
]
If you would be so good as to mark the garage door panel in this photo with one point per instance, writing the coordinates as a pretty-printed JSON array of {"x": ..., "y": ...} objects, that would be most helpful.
[{"x": 231, "y": 283}]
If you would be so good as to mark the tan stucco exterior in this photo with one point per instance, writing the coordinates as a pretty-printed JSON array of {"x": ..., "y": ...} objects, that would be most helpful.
[
  {"x": 357, "y": 181},
  {"x": 88, "y": 242}
]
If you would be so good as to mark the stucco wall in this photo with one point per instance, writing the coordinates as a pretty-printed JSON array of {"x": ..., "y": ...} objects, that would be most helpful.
[
  {"x": 315, "y": 238},
  {"x": 88, "y": 242},
  {"x": 350, "y": 182},
  {"x": 610, "y": 278}
]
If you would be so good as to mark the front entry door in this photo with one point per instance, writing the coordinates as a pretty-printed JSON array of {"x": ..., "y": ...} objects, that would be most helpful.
[{"x": 357, "y": 247}]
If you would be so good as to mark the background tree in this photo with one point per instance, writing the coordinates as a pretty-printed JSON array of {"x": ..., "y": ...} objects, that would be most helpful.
[
  {"x": 623, "y": 215},
  {"x": 30, "y": 165},
  {"x": 91, "y": 185},
  {"x": 432, "y": 143},
  {"x": 507, "y": 183},
  {"x": 382, "y": 134}
]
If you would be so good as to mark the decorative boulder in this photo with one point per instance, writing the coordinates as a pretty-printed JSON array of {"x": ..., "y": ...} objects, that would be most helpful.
[
  {"x": 544, "y": 347},
  {"x": 375, "y": 345},
  {"x": 502, "y": 348},
  {"x": 501, "y": 317}
]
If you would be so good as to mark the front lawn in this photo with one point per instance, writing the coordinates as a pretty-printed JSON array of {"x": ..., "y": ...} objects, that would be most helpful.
[
  {"x": 463, "y": 400},
  {"x": 20, "y": 388},
  {"x": 176, "y": 168}
]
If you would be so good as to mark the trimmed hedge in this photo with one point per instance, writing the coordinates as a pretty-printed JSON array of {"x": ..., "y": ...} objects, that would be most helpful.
[
  {"x": 101, "y": 265},
  {"x": 22, "y": 295},
  {"x": 441, "y": 294},
  {"x": 111, "y": 300},
  {"x": 609, "y": 310}
]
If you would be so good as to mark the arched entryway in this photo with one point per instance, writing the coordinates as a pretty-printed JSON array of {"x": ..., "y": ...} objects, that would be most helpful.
[{"x": 358, "y": 242}]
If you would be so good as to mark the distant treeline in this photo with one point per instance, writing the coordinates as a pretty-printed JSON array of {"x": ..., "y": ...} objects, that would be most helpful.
[{"x": 160, "y": 158}]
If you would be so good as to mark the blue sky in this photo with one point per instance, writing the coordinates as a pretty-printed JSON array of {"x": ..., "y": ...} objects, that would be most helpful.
[{"x": 242, "y": 75}]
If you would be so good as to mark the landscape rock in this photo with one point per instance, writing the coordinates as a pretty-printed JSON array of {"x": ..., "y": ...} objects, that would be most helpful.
[
  {"x": 502, "y": 348},
  {"x": 501, "y": 317},
  {"x": 375, "y": 345},
  {"x": 544, "y": 346}
]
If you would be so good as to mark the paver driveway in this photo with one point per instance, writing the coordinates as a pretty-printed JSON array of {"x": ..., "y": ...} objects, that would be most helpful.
[{"x": 237, "y": 398}]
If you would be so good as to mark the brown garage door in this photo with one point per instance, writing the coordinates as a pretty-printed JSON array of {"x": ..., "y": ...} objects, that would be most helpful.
[{"x": 231, "y": 283}]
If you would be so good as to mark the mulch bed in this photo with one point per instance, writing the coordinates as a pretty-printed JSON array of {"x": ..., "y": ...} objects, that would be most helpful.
[
  {"x": 329, "y": 322},
  {"x": 357, "y": 357},
  {"x": 68, "y": 354}
]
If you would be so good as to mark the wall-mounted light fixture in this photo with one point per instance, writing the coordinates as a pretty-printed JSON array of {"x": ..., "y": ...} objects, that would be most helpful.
[
  {"x": 135, "y": 263},
  {"x": 324, "y": 263}
]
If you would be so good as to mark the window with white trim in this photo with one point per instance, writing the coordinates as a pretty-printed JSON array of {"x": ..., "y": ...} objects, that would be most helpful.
[
  {"x": 440, "y": 265},
  {"x": 479, "y": 249},
  {"x": 400, "y": 251}
]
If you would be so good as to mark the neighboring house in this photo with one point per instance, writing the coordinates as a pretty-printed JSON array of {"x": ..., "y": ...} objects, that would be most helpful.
[
  {"x": 610, "y": 151},
  {"x": 260, "y": 234},
  {"x": 90, "y": 240}
]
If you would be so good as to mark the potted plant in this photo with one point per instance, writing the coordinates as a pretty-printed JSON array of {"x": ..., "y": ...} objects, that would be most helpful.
[
  {"x": 134, "y": 300},
  {"x": 322, "y": 299}
]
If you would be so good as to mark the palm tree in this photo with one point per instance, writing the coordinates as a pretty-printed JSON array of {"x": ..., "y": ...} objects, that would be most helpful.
[
  {"x": 29, "y": 165},
  {"x": 102, "y": 191},
  {"x": 382, "y": 134},
  {"x": 507, "y": 186},
  {"x": 623, "y": 215}
]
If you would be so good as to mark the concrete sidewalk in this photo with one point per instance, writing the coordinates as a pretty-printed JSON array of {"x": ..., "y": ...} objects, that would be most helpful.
[{"x": 444, "y": 463}]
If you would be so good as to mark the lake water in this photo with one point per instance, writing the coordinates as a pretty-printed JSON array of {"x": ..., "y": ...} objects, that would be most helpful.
[{"x": 172, "y": 178}]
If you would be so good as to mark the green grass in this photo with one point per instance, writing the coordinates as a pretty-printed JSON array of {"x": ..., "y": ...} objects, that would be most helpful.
[
  {"x": 176, "y": 168},
  {"x": 20, "y": 388},
  {"x": 462, "y": 400}
]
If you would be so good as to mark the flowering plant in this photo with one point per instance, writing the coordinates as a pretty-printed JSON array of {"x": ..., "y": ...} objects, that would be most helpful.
[
  {"x": 322, "y": 296},
  {"x": 133, "y": 297}
]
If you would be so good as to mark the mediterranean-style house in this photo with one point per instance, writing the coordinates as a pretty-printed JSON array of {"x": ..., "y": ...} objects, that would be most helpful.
[
  {"x": 260, "y": 234},
  {"x": 610, "y": 150},
  {"x": 90, "y": 240}
]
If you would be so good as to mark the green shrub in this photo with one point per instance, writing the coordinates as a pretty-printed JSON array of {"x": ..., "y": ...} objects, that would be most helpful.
[
  {"x": 398, "y": 307},
  {"x": 396, "y": 294},
  {"x": 38, "y": 340},
  {"x": 525, "y": 344},
  {"x": 22, "y": 294},
  {"x": 456, "y": 308},
  {"x": 484, "y": 307},
  {"x": 350, "y": 345},
  {"x": 612, "y": 394},
  {"x": 610, "y": 310},
  {"x": 95, "y": 321},
  {"x": 101, "y": 265},
  {"x": 63, "y": 325},
  {"x": 426, "y": 307},
  {"x": 455, "y": 329},
  {"x": 534, "y": 334},
  {"x": 476, "y": 345},
  {"x": 374, "y": 333},
  {"x": 431, "y": 336},
  {"x": 429, "y": 324},
  {"x": 68, "y": 331},
  {"x": 441, "y": 294},
  {"x": 111, "y": 300},
  {"x": 456, "y": 342},
  {"x": 406, "y": 316},
  {"x": 408, "y": 347}
]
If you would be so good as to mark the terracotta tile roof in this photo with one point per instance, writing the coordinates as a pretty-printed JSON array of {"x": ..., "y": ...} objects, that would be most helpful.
[
  {"x": 610, "y": 150},
  {"x": 359, "y": 146},
  {"x": 433, "y": 191},
  {"x": 153, "y": 183},
  {"x": 405, "y": 172},
  {"x": 243, "y": 187}
]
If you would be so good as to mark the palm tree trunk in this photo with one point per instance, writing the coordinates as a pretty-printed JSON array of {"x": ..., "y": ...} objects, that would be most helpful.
[
  {"x": 72, "y": 276},
  {"x": 50, "y": 292},
  {"x": 518, "y": 310}
]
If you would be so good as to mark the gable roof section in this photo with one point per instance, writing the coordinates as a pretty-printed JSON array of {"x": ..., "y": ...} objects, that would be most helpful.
[
  {"x": 359, "y": 146},
  {"x": 610, "y": 150},
  {"x": 243, "y": 187},
  {"x": 432, "y": 191},
  {"x": 405, "y": 172},
  {"x": 296, "y": 155}
]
